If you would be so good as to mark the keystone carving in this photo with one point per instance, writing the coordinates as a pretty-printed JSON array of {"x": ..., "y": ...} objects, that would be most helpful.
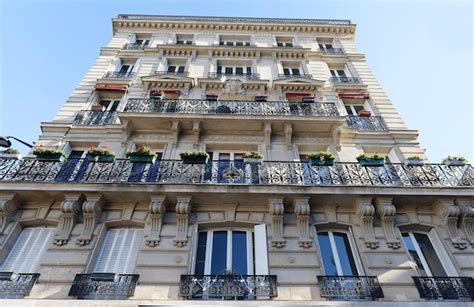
[
  {"x": 157, "y": 211},
  {"x": 9, "y": 205},
  {"x": 449, "y": 215},
  {"x": 276, "y": 211},
  {"x": 70, "y": 208},
  {"x": 91, "y": 209},
  {"x": 183, "y": 208},
  {"x": 467, "y": 220},
  {"x": 386, "y": 211},
  {"x": 365, "y": 211},
  {"x": 302, "y": 210}
]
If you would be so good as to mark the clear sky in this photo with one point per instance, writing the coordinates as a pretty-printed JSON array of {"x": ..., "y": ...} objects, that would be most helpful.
[{"x": 420, "y": 51}]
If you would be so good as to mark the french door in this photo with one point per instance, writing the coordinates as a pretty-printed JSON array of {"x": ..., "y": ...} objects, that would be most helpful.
[
  {"x": 338, "y": 256},
  {"x": 423, "y": 254}
]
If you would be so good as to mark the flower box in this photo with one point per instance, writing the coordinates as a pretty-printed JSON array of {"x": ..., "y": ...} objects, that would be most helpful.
[
  {"x": 364, "y": 113},
  {"x": 372, "y": 162},
  {"x": 50, "y": 157},
  {"x": 194, "y": 160},
  {"x": 101, "y": 158},
  {"x": 449, "y": 162},
  {"x": 141, "y": 159},
  {"x": 321, "y": 158},
  {"x": 318, "y": 162},
  {"x": 413, "y": 162},
  {"x": 10, "y": 156},
  {"x": 253, "y": 160}
]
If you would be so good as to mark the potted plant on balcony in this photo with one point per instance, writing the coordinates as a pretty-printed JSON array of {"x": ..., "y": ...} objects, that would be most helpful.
[
  {"x": 253, "y": 157},
  {"x": 371, "y": 160},
  {"x": 414, "y": 161},
  {"x": 103, "y": 154},
  {"x": 10, "y": 153},
  {"x": 43, "y": 154},
  {"x": 321, "y": 158},
  {"x": 455, "y": 161},
  {"x": 194, "y": 157},
  {"x": 364, "y": 113},
  {"x": 143, "y": 154}
]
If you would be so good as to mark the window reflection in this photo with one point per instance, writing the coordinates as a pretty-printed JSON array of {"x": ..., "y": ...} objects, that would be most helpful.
[
  {"x": 326, "y": 254},
  {"x": 219, "y": 252}
]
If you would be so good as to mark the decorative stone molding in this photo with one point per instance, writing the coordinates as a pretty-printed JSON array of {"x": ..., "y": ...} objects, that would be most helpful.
[
  {"x": 157, "y": 211},
  {"x": 267, "y": 135},
  {"x": 91, "y": 210},
  {"x": 386, "y": 211},
  {"x": 276, "y": 211},
  {"x": 175, "y": 129},
  {"x": 196, "y": 133},
  {"x": 365, "y": 211},
  {"x": 9, "y": 205},
  {"x": 467, "y": 219},
  {"x": 302, "y": 211},
  {"x": 449, "y": 215},
  {"x": 288, "y": 135},
  {"x": 70, "y": 207},
  {"x": 183, "y": 208}
]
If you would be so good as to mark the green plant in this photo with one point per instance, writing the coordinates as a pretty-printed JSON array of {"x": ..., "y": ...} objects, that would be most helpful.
[
  {"x": 143, "y": 151},
  {"x": 322, "y": 155},
  {"x": 460, "y": 159},
  {"x": 103, "y": 151},
  {"x": 40, "y": 151},
  {"x": 363, "y": 157},
  {"x": 196, "y": 153},
  {"x": 253, "y": 155},
  {"x": 10, "y": 151},
  {"x": 414, "y": 158}
]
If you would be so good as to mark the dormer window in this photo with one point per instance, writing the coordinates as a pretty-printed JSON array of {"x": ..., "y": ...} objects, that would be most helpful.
[
  {"x": 231, "y": 40},
  {"x": 234, "y": 70},
  {"x": 326, "y": 47},
  {"x": 176, "y": 69},
  {"x": 291, "y": 71},
  {"x": 183, "y": 39},
  {"x": 284, "y": 41},
  {"x": 142, "y": 42}
]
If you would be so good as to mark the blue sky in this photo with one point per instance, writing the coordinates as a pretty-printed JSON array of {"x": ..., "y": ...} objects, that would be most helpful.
[{"x": 420, "y": 51}]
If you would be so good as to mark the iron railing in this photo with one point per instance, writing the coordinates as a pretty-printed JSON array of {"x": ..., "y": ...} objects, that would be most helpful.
[
  {"x": 304, "y": 76},
  {"x": 350, "y": 288},
  {"x": 372, "y": 123},
  {"x": 95, "y": 118},
  {"x": 247, "y": 76},
  {"x": 346, "y": 80},
  {"x": 332, "y": 51},
  {"x": 174, "y": 73},
  {"x": 445, "y": 288},
  {"x": 104, "y": 286},
  {"x": 231, "y": 287},
  {"x": 16, "y": 285},
  {"x": 238, "y": 172},
  {"x": 135, "y": 46},
  {"x": 119, "y": 75},
  {"x": 241, "y": 108}
]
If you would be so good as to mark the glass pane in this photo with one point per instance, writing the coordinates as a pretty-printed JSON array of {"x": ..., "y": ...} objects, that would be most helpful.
[
  {"x": 345, "y": 254},
  {"x": 219, "y": 252},
  {"x": 341, "y": 73},
  {"x": 358, "y": 108},
  {"x": 414, "y": 255},
  {"x": 239, "y": 71},
  {"x": 181, "y": 69},
  {"x": 327, "y": 255},
  {"x": 296, "y": 71},
  {"x": 219, "y": 69},
  {"x": 201, "y": 254},
  {"x": 238, "y": 156},
  {"x": 349, "y": 110},
  {"x": 239, "y": 252},
  {"x": 224, "y": 156},
  {"x": 114, "y": 106},
  {"x": 430, "y": 255},
  {"x": 333, "y": 73},
  {"x": 289, "y": 44},
  {"x": 229, "y": 70},
  {"x": 286, "y": 71},
  {"x": 171, "y": 68}
]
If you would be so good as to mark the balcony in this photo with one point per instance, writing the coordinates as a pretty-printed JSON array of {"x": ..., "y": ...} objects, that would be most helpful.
[
  {"x": 95, "y": 118},
  {"x": 445, "y": 288},
  {"x": 119, "y": 75},
  {"x": 172, "y": 73},
  {"x": 228, "y": 287},
  {"x": 349, "y": 288},
  {"x": 16, "y": 285},
  {"x": 304, "y": 76},
  {"x": 104, "y": 286},
  {"x": 333, "y": 51},
  {"x": 346, "y": 80},
  {"x": 216, "y": 75},
  {"x": 236, "y": 173},
  {"x": 372, "y": 123},
  {"x": 135, "y": 46}
]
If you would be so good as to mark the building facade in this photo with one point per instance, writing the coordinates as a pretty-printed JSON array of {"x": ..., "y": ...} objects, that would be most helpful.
[{"x": 282, "y": 229}]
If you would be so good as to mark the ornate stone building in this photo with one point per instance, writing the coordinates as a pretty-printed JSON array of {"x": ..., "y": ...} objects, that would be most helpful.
[{"x": 283, "y": 229}]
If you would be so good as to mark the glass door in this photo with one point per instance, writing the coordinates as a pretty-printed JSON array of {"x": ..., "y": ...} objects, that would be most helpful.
[
  {"x": 337, "y": 254},
  {"x": 423, "y": 254}
]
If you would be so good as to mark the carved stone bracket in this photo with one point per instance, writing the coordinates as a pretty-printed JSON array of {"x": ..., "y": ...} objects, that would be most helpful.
[
  {"x": 91, "y": 209},
  {"x": 276, "y": 211},
  {"x": 9, "y": 204},
  {"x": 70, "y": 207},
  {"x": 449, "y": 215},
  {"x": 386, "y": 211},
  {"x": 365, "y": 211},
  {"x": 302, "y": 210},
  {"x": 157, "y": 211},
  {"x": 467, "y": 220},
  {"x": 183, "y": 208}
]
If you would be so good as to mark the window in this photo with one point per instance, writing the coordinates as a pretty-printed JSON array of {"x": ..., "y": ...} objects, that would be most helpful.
[
  {"x": 337, "y": 254},
  {"x": 284, "y": 41},
  {"x": 176, "y": 68},
  {"x": 261, "y": 98},
  {"x": 338, "y": 73},
  {"x": 234, "y": 70},
  {"x": 184, "y": 39},
  {"x": 211, "y": 97},
  {"x": 142, "y": 42},
  {"x": 291, "y": 71},
  {"x": 119, "y": 251},
  {"x": 234, "y": 43},
  {"x": 26, "y": 253},
  {"x": 325, "y": 46},
  {"x": 109, "y": 104},
  {"x": 423, "y": 254},
  {"x": 353, "y": 109}
]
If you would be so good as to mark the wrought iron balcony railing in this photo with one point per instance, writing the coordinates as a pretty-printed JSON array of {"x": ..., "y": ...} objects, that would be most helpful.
[
  {"x": 372, "y": 123},
  {"x": 333, "y": 51},
  {"x": 238, "y": 108},
  {"x": 119, "y": 75},
  {"x": 94, "y": 118},
  {"x": 346, "y": 80},
  {"x": 218, "y": 75},
  {"x": 135, "y": 46},
  {"x": 104, "y": 286},
  {"x": 348, "y": 288},
  {"x": 16, "y": 285},
  {"x": 445, "y": 288},
  {"x": 304, "y": 76},
  {"x": 173, "y": 73},
  {"x": 228, "y": 286},
  {"x": 238, "y": 173}
]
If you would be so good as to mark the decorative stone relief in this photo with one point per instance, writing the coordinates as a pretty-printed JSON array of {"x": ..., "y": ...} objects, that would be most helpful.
[
  {"x": 302, "y": 211},
  {"x": 386, "y": 211},
  {"x": 233, "y": 87},
  {"x": 91, "y": 210},
  {"x": 449, "y": 215},
  {"x": 9, "y": 204},
  {"x": 276, "y": 211},
  {"x": 157, "y": 211},
  {"x": 267, "y": 135},
  {"x": 365, "y": 211},
  {"x": 70, "y": 208},
  {"x": 467, "y": 220},
  {"x": 288, "y": 134},
  {"x": 183, "y": 208},
  {"x": 196, "y": 133},
  {"x": 175, "y": 129}
]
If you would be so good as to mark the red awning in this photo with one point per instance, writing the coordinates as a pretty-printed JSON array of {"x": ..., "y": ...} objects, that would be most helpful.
[
  {"x": 299, "y": 94},
  {"x": 358, "y": 95},
  {"x": 177, "y": 92},
  {"x": 110, "y": 87}
]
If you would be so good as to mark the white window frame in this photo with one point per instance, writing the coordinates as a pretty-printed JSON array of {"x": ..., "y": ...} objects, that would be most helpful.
[
  {"x": 176, "y": 68},
  {"x": 336, "y": 74},
  {"x": 290, "y": 70},
  {"x": 351, "y": 106},
  {"x": 325, "y": 46},
  {"x": 111, "y": 103},
  {"x": 145, "y": 41},
  {"x": 234, "y": 69}
]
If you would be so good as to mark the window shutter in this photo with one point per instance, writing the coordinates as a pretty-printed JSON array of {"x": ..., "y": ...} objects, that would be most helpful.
[{"x": 261, "y": 254}]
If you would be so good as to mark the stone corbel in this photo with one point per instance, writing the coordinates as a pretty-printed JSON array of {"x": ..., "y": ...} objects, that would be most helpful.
[
  {"x": 302, "y": 210},
  {"x": 157, "y": 212},
  {"x": 70, "y": 208},
  {"x": 467, "y": 220},
  {"x": 449, "y": 215},
  {"x": 386, "y": 211},
  {"x": 9, "y": 205},
  {"x": 336, "y": 135},
  {"x": 196, "y": 133},
  {"x": 175, "y": 129},
  {"x": 91, "y": 210},
  {"x": 183, "y": 208},
  {"x": 288, "y": 135},
  {"x": 277, "y": 210},
  {"x": 267, "y": 135},
  {"x": 366, "y": 211}
]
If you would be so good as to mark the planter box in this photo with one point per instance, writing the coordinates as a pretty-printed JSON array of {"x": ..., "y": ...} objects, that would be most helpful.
[
  {"x": 10, "y": 156},
  {"x": 364, "y": 113},
  {"x": 454, "y": 163},
  {"x": 142, "y": 159},
  {"x": 414, "y": 162},
  {"x": 253, "y": 160},
  {"x": 194, "y": 160},
  {"x": 103, "y": 158},
  {"x": 97, "y": 107},
  {"x": 51, "y": 158},
  {"x": 318, "y": 162},
  {"x": 372, "y": 162}
]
